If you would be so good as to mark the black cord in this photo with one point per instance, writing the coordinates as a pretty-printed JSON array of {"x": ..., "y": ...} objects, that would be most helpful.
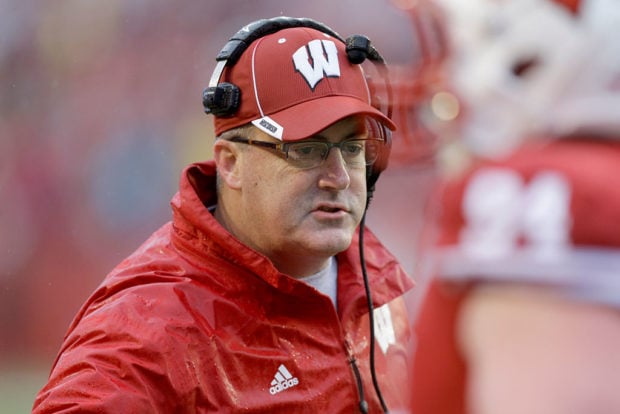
[
  {"x": 371, "y": 319},
  {"x": 360, "y": 387}
]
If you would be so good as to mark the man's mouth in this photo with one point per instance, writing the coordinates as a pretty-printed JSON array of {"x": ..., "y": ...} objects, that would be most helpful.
[{"x": 329, "y": 209}]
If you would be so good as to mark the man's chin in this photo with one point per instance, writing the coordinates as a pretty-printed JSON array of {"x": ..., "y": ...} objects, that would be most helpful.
[{"x": 329, "y": 243}]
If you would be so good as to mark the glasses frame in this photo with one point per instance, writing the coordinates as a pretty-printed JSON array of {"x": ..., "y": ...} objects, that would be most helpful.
[{"x": 281, "y": 148}]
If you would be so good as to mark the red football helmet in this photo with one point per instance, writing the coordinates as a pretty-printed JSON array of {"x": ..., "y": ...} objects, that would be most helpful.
[{"x": 422, "y": 101}]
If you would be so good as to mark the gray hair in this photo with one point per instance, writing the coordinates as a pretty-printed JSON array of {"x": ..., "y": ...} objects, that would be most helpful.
[{"x": 244, "y": 131}]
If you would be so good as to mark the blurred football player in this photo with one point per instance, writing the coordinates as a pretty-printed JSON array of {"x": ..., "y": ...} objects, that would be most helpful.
[{"x": 522, "y": 314}]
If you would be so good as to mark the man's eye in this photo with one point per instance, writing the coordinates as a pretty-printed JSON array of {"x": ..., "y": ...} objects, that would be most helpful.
[
  {"x": 307, "y": 150},
  {"x": 353, "y": 148}
]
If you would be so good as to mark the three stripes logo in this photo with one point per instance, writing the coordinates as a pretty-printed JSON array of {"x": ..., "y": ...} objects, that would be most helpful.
[{"x": 282, "y": 381}]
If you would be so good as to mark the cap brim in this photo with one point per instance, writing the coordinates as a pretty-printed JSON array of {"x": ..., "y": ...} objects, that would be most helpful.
[{"x": 309, "y": 118}]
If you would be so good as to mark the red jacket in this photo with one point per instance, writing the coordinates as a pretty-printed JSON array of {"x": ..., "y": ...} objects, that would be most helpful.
[{"x": 195, "y": 322}]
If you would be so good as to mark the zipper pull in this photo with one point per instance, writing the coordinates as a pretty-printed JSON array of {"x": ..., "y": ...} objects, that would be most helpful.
[{"x": 363, "y": 405}]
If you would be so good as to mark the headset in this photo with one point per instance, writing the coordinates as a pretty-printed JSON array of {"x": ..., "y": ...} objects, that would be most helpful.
[{"x": 222, "y": 99}]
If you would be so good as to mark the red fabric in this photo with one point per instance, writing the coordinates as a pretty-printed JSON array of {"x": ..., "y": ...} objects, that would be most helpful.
[
  {"x": 591, "y": 168},
  {"x": 196, "y": 322}
]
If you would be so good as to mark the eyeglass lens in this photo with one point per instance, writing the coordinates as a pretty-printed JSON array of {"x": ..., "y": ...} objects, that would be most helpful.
[{"x": 356, "y": 152}]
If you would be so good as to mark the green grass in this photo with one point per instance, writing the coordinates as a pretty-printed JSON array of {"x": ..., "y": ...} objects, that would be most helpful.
[{"x": 18, "y": 387}]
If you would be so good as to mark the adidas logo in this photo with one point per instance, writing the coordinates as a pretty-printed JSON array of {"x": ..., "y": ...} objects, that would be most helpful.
[{"x": 282, "y": 381}]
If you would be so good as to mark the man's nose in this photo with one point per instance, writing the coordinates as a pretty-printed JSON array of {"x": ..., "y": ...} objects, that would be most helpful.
[{"x": 334, "y": 171}]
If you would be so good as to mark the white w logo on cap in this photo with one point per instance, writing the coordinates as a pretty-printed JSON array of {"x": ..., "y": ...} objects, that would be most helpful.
[{"x": 324, "y": 56}]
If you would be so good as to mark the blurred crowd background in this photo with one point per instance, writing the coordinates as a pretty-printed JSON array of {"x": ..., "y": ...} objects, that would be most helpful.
[{"x": 100, "y": 110}]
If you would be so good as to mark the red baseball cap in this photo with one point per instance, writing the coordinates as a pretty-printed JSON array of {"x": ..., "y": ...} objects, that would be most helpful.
[{"x": 296, "y": 82}]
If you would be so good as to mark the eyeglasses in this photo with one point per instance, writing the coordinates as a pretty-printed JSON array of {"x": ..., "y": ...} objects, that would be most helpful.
[{"x": 309, "y": 154}]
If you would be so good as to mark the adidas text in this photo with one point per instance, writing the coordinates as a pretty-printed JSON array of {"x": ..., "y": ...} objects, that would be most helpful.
[
  {"x": 283, "y": 386},
  {"x": 283, "y": 380}
]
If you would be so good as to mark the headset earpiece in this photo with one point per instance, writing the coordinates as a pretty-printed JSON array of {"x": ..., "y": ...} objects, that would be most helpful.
[
  {"x": 360, "y": 48},
  {"x": 221, "y": 100},
  {"x": 357, "y": 47}
]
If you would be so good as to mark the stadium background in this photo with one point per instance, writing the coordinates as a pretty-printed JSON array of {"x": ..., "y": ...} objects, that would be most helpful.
[{"x": 99, "y": 112}]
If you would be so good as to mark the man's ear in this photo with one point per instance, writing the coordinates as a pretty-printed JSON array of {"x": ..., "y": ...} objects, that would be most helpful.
[{"x": 227, "y": 158}]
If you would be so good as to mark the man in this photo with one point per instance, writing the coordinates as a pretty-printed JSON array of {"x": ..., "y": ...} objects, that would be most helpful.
[
  {"x": 522, "y": 314},
  {"x": 252, "y": 298}
]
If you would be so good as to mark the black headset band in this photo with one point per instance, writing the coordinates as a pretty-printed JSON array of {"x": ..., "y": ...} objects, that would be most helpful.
[{"x": 240, "y": 41}]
